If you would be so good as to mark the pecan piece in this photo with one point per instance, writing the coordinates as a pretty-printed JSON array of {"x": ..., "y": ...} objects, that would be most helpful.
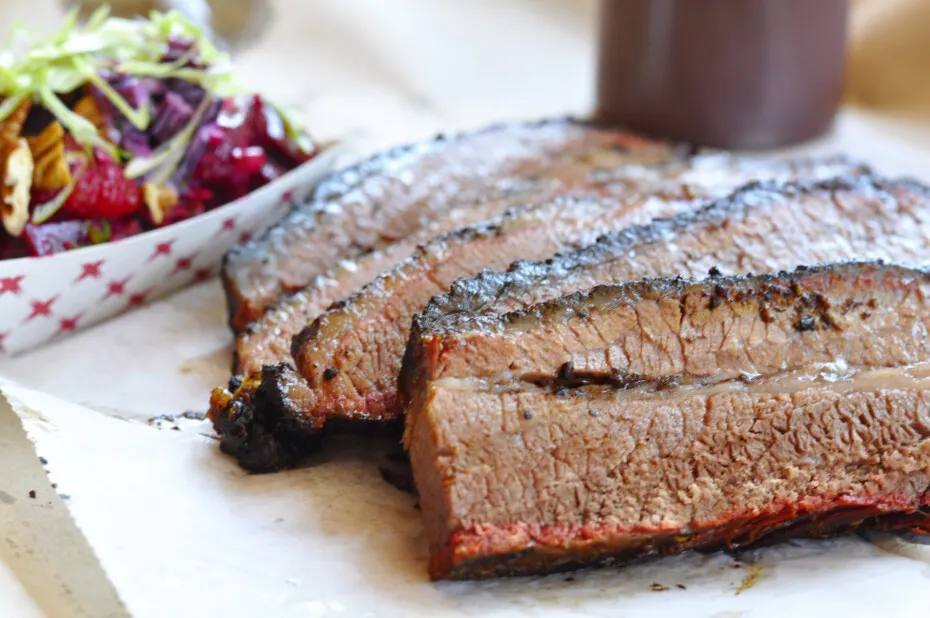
[
  {"x": 159, "y": 199},
  {"x": 17, "y": 184},
  {"x": 87, "y": 108},
  {"x": 12, "y": 128},
  {"x": 50, "y": 172},
  {"x": 16, "y": 166}
]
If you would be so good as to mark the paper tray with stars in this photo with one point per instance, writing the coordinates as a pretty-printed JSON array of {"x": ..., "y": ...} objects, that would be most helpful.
[{"x": 47, "y": 297}]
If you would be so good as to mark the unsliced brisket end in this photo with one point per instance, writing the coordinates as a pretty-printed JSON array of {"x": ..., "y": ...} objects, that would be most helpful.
[
  {"x": 396, "y": 193},
  {"x": 673, "y": 332},
  {"x": 351, "y": 354},
  {"x": 806, "y": 424},
  {"x": 263, "y": 443}
]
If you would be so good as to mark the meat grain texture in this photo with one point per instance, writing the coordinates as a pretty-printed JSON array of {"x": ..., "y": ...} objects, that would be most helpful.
[
  {"x": 393, "y": 195},
  {"x": 665, "y": 415},
  {"x": 350, "y": 355},
  {"x": 364, "y": 336},
  {"x": 617, "y": 392}
]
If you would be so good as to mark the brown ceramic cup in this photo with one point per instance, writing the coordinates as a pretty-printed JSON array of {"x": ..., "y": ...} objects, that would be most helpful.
[{"x": 722, "y": 73}]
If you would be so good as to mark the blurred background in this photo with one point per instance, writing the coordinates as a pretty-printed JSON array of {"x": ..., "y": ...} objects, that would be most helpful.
[{"x": 401, "y": 69}]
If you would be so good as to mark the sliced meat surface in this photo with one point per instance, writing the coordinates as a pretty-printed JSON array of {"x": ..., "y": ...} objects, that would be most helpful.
[
  {"x": 632, "y": 477},
  {"x": 267, "y": 340},
  {"x": 674, "y": 332},
  {"x": 798, "y": 405},
  {"x": 344, "y": 394},
  {"x": 764, "y": 227},
  {"x": 397, "y": 193},
  {"x": 351, "y": 354}
]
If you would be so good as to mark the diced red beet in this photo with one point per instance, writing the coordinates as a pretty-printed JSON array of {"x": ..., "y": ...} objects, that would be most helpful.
[
  {"x": 59, "y": 236},
  {"x": 184, "y": 210},
  {"x": 52, "y": 238},
  {"x": 248, "y": 161},
  {"x": 197, "y": 194},
  {"x": 232, "y": 158},
  {"x": 275, "y": 140},
  {"x": 12, "y": 248},
  {"x": 270, "y": 171},
  {"x": 124, "y": 228}
]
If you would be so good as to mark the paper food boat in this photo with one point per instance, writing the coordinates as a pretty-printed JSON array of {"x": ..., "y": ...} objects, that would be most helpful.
[{"x": 47, "y": 297}]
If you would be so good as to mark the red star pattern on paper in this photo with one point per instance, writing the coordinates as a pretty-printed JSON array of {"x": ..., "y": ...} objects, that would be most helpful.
[
  {"x": 138, "y": 299},
  {"x": 229, "y": 224},
  {"x": 245, "y": 237},
  {"x": 90, "y": 270},
  {"x": 162, "y": 248},
  {"x": 184, "y": 263},
  {"x": 68, "y": 325},
  {"x": 13, "y": 285},
  {"x": 115, "y": 288},
  {"x": 202, "y": 274},
  {"x": 41, "y": 308}
]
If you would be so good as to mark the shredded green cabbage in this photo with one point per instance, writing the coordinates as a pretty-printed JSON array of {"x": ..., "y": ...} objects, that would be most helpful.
[{"x": 79, "y": 53}]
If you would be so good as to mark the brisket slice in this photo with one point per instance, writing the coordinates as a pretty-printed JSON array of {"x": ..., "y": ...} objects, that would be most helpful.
[
  {"x": 674, "y": 332},
  {"x": 250, "y": 428},
  {"x": 756, "y": 438},
  {"x": 396, "y": 193},
  {"x": 267, "y": 340},
  {"x": 761, "y": 228},
  {"x": 351, "y": 354}
]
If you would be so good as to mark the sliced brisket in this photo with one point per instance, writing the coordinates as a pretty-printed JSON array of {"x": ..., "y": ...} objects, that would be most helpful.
[
  {"x": 343, "y": 380},
  {"x": 674, "y": 332},
  {"x": 762, "y": 228},
  {"x": 762, "y": 407},
  {"x": 394, "y": 194},
  {"x": 363, "y": 338},
  {"x": 267, "y": 340}
]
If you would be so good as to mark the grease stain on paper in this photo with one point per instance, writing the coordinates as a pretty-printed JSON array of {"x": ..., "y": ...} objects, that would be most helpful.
[
  {"x": 208, "y": 365},
  {"x": 751, "y": 579}
]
